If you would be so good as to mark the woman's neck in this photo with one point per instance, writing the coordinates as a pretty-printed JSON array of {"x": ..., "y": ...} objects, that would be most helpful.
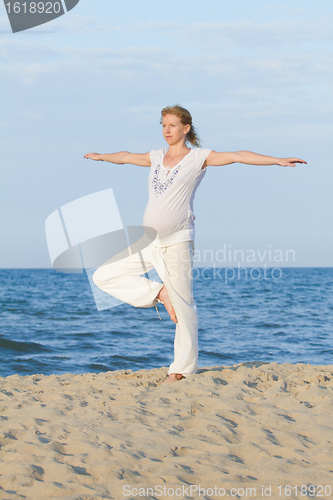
[{"x": 178, "y": 149}]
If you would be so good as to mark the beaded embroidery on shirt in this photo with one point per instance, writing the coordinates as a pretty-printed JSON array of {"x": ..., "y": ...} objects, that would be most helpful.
[{"x": 160, "y": 187}]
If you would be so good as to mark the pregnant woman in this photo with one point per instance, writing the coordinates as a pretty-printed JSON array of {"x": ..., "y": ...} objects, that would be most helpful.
[{"x": 175, "y": 173}]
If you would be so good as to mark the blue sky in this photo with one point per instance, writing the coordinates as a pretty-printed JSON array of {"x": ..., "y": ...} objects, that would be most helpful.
[{"x": 255, "y": 75}]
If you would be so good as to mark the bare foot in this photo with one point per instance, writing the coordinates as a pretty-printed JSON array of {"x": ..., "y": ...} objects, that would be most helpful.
[
  {"x": 163, "y": 296},
  {"x": 173, "y": 377}
]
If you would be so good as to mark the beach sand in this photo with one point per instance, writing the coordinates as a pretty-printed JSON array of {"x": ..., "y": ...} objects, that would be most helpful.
[{"x": 100, "y": 436}]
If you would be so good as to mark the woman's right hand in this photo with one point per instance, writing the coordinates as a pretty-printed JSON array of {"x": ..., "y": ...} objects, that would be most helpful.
[{"x": 93, "y": 156}]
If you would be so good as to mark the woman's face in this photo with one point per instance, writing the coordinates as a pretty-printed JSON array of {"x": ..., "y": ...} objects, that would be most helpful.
[{"x": 173, "y": 130}]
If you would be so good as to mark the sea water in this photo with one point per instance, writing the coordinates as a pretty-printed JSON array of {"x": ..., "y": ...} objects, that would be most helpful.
[{"x": 49, "y": 322}]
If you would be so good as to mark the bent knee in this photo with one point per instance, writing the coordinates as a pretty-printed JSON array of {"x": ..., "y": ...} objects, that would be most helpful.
[{"x": 100, "y": 276}]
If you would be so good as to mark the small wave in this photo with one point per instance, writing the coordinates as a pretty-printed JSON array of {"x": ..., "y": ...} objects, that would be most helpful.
[{"x": 24, "y": 347}]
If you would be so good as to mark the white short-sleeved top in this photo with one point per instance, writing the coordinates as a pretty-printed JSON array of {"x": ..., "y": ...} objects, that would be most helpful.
[{"x": 171, "y": 193}]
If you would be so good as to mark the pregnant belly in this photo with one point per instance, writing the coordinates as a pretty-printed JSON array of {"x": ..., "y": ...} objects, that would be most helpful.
[{"x": 164, "y": 221}]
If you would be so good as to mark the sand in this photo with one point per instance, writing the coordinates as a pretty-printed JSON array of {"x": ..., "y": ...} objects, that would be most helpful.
[{"x": 122, "y": 434}]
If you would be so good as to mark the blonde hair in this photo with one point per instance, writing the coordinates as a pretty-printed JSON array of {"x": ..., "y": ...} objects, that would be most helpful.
[{"x": 186, "y": 119}]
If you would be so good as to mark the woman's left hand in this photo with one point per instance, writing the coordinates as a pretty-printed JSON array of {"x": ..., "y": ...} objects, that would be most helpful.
[{"x": 289, "y": 162}]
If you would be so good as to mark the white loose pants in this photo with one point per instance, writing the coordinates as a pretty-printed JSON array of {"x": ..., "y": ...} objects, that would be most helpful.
[{"x": 174, "y": 264}]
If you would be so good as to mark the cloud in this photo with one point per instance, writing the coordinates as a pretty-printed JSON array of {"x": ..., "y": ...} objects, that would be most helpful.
[
  {"x": 266, "y": 87},
  {"x": 243, "y": 33},
  {"x": 229, "y": 34},
  {"x": 230, "y": 53},
  {"x": 31, "y": 61}
]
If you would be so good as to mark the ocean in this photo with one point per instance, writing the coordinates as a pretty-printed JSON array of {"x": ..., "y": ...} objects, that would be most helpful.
[{"x": 50, "y": 323}]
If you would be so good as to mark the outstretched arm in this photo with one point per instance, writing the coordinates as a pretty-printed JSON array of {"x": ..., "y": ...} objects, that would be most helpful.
[
  {"x": 218, "y": 159},
  {"x": 143, "y": 160}
]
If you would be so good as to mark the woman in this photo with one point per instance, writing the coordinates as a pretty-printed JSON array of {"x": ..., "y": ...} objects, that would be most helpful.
[{"x": 175, "y": 173}]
